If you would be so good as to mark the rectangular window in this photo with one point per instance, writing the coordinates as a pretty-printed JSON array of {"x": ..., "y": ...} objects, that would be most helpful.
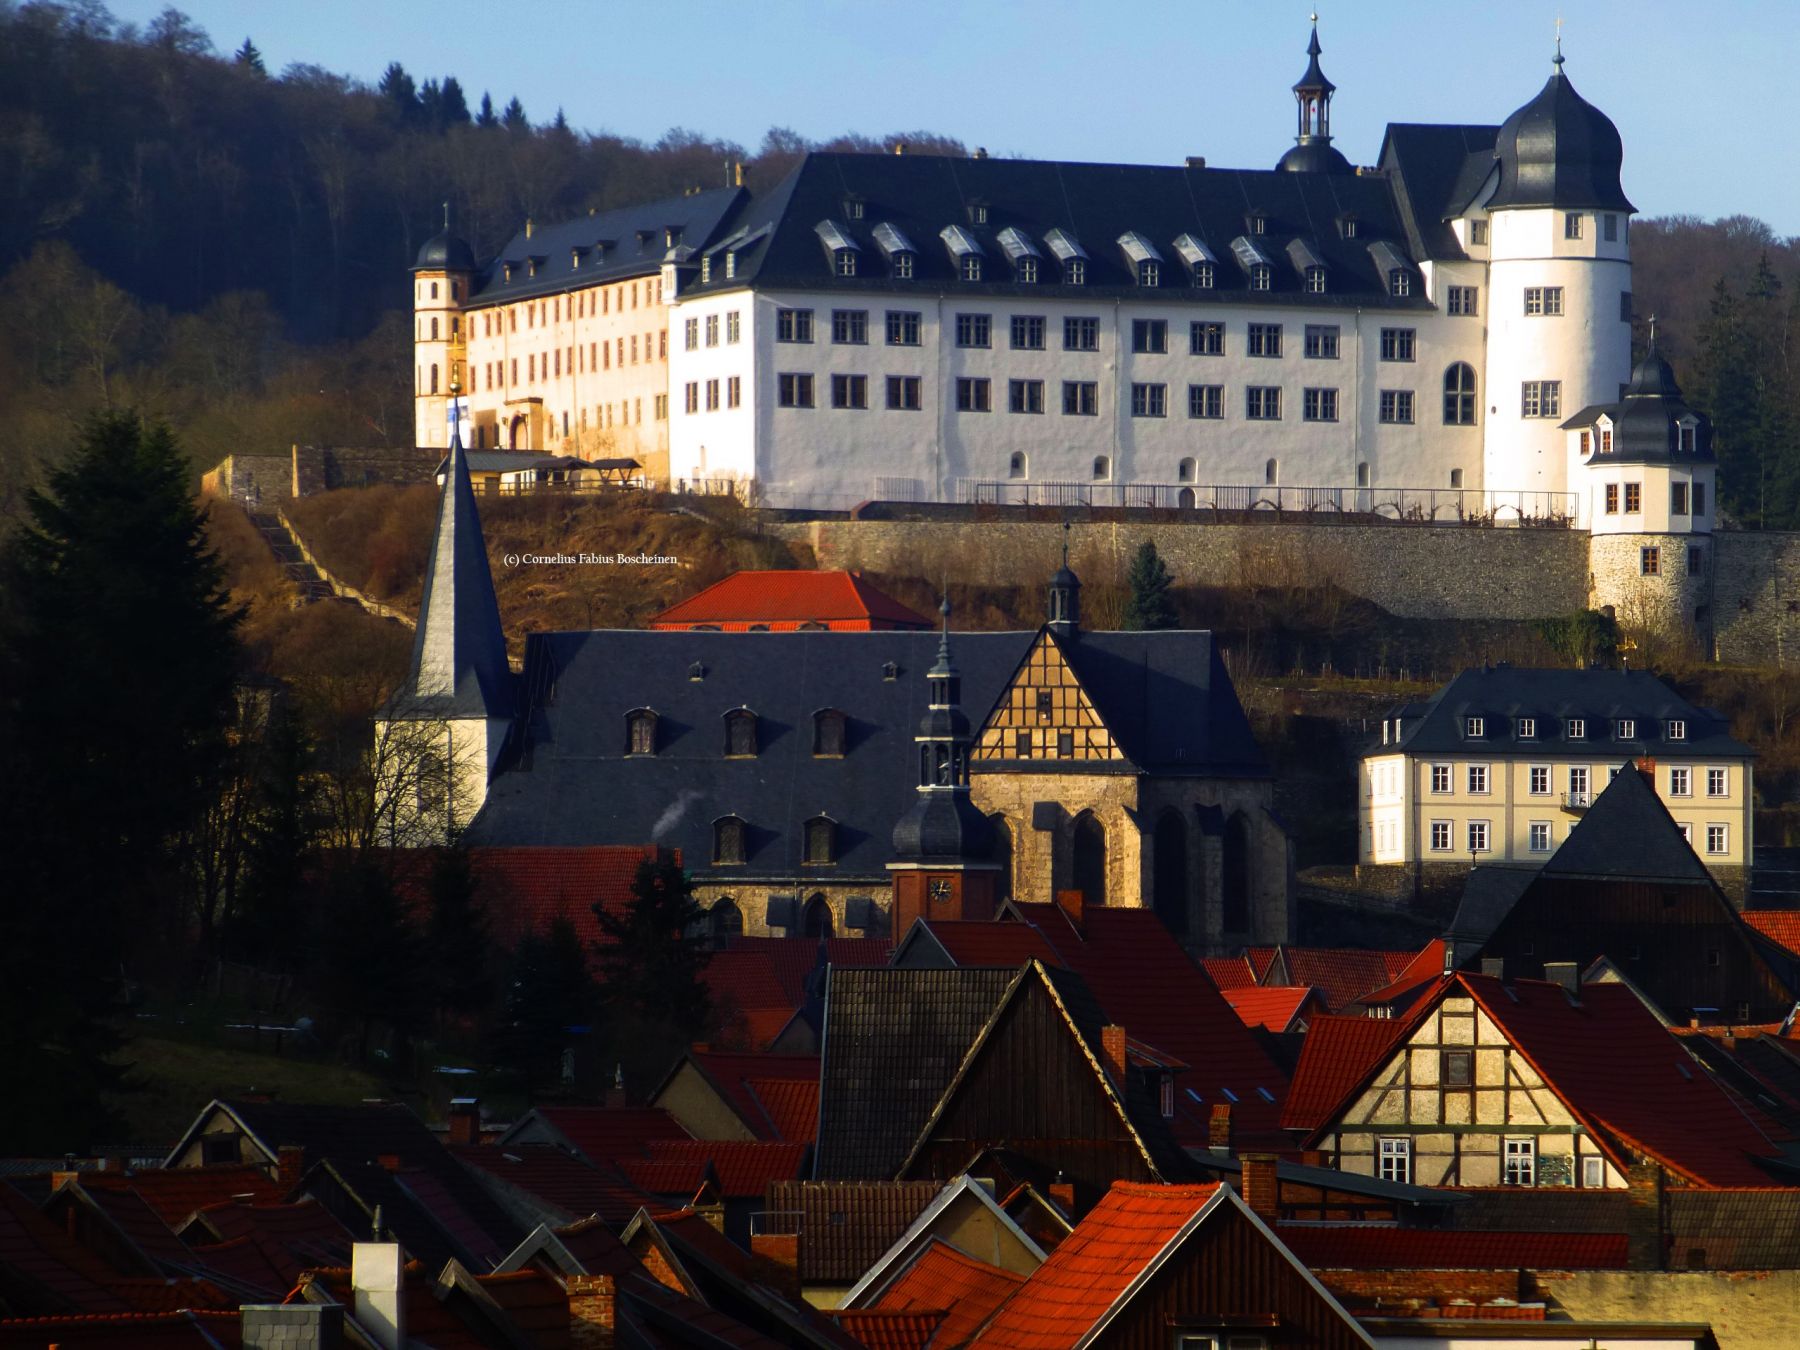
[
  {"x": 1612, "y": 499},
  {"x": 794, "y": 391},
  {"x": 1025, "y": 396},
  {"x": 1521, "y": 1162},
  {"x": 1021, "y": 744},
  {"x": 974, "y": 330},
  {"x": 1478, "y": 232},
  {"x": 1203, "y": 276},
  {"x": 1321, "y": 342},
  {"x": 712, "y": 330},
  {"x": 1081, "y": 335},
  {"x": 712, "y": 396},
  {"x": 1206, "y": 401},
  {"x": 1572, "y": 225},
  {"x": 1440, "y": 836},
  {"x": 1028, "y": 332},
  {"x": 1650, "y": 561},
  {"x": 1578, "y": 785},
  {"x": 970, "y": 270},
  {"x": 1464, "y": 300},
  {"x": 1262, "y": 403},
  {"x": 691, "y": 334},
  {"x": 1399, "y": 344},
  {"x": 903, "y": 266},
  {"x": 1150, "y": 335},
  {"x": 1678, "y": 498},
  {"x": 1681, "y": 781},
  {"x": 1540, "y": 780},
  {"x": 1478, "y": 836},
  {"x": 1081, "y": 398},
  {"x": 1397, "y": 406},
  {"x": 902, "y": 328},
  {"x": 1610, "y": 225},
  {"x": 1474, "y": 727},
  {"x": 1527, "y": 728},
  {"x": 1149, "y": 400},
  {"x": 1718, "y": 838},
  {"x": 1206, "y": 338},
  {"x": 1265, "y": 339},
  {"x": 1718, "y": 782},
  {"x": 850, "y": 391},
  {"x": 1319, "y": 405},
  {"x": 660, "y": 405},
  {"x": 1593, "y": 1173},
  {"x": 1396, "y": 1160},
  {"x": 1540, "y": 398},
  {"x": 1634, "y": 498},
  {"x": 734, "y": 392},
  {"x": 1544, "y": 301},
  {"x": 974, "y": 395},
  {"x": 1540, "y": 836},
  {"x": 793, "y": 325},
  {"x": 1699, "y": 499},
  {"x": 1626, "y": 729},
  {"x": 733, "y": 328},
  {"x": 850, "y": 326},
  {"x": 1478, "y": 779},
  {"x": 693, "y": 396},
  {"x": 903, "y": 393},
  {"x": 1456, "y": 1068},
  {"x": 1440, "y": 778}
]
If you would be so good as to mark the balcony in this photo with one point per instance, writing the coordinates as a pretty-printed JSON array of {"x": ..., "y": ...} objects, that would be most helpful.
[{"x": 1575, "y": 803}]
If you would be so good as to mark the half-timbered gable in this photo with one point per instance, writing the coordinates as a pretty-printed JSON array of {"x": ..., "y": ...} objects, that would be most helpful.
[{"x": 1043, "y": 713}]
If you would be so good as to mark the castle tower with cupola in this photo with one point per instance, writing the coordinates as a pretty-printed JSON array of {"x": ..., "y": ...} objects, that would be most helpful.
[
  {"x": 1557, "y": 231},
  {"x": 442, "y": 275}
]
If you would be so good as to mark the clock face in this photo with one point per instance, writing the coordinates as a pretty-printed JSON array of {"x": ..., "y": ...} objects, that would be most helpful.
[{"x": 939, "y": 889}]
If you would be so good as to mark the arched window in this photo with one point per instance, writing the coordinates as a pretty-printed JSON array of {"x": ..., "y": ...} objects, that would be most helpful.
[
  {"x": 724, "y": 921},
  {"x": 821, "y": 841},
  {"x": 434, "y": 290},
  {"x": 434, "y": 377},
  {"x": 1184, "y": 471},
  {"x": 1169, "y": 879},
  {"x": 1102, "y": 466},
  {"x": 1002, "y": 853},
  {"x": 1016, "y": 466},
  {"x": 1459, "y": 395},
  {"x": 828, "y": 733},
  {"x": 728, "y": 840},
  {"x": 740, "y": 733},
  {"x": 1271, "y": 473},
  {"x": 816, "y": 923},
  {"x": 1236, "y": 877},
  {"x": 1090, "y": 858},
  {"x": 640, "y": 732}
]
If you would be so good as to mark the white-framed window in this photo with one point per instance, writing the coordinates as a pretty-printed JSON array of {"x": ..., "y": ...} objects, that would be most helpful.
[
  {"x": 1718, "y": 782},
  {"x": 1395, "y": 1159},
  {"x": 691, "y": 335},
  {"x": 1075, "y": 271},
  {"x": 1262, "y": 403},
  {"x": 1543, "y": 302},
  {"x": 1478, "y": 836},
  {"x": 970, "y": 270},
  {"x": 1081, "y": 334},
  {"x": 1206, "y": 401},
  {"x": 1399, "y": 344},
  {"x": 1440, "y": 778},
  {"x": 1677, "y": 729},
  {"x": 1149, "y": 273},
  {"x": 1149, "y": 400},
  {"x": 1259, "y": 276},
  {"x": 1474, "y": 727},
  {"x": 848, "y": 327},
  {"x": 974, "y": 330},
  {"x": 1540, "y": 780},
  {"x": 1539, "y": 836},
  {"x": 1027, "y": 332},
  {"x": 1440, "y": 836},
  {"x": 1028, "y": 271},
  {"x": 1528, "y": 728},
  {"x": 903, "y": 266},
  {"x": 1593, "y": 1173},
  {"x": 793, "y": 325},
  {"x": 1577, "y": 728},
  {"x": 1572, "y": 224},
  {"x": 1264, "y": 339},
  {"x": 1718, "y": 838},
  {"x": 1478, "y": 232},
  {"x": 1521, "y": 1162},
  {"x": 1397, "y": 406},
  {"x": 1315, "y": 280},
  {"x": 712, "y": 395},
  {"x": 1399, "y": 282},
  {"x": 1321, "y": 342},
  {"x": 903, "y": 328},
  {"x": 1681, "y": 781},
  {"x": 1540, "y": 398},
  {"x": 1321, "y": 405},
  {"x": 1578, "y": 784},
  {"x": 1687, "y": 833},
  {"x": 733, "y": 328},
  {"x": 1206, "y": 338},
  {"x": 1464, "y": 300},
  {"x": 1627, "y": 729}
]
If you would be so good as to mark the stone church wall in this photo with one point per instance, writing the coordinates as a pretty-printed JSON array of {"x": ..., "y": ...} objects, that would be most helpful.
[{"x": 1415, "y": 571}]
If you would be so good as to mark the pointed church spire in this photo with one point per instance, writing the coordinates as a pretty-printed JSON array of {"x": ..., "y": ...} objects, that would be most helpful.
[
  {"x": 459, "y": 651},
  {"x": 1065, "y": 594},
  {"x": 942, "y": 824}
]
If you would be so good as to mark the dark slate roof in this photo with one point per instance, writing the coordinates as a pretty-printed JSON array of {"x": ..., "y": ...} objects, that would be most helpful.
[
  {"x": 893, "y": 1042},
  {"x": 1502, "y": 694},
  {"x": 1488, "y": 897},
  {"x": 1437, "y": 171},
  {"x": 445, "y": 252},
  {"x": 1628, "y": 834},
  {"x": 617, "y": 245},
  {"x": 569, "y": 783},
  {"x": 1646, "y": 420},
  {"x": 1559, "y": 150},
  {"x": 1097, "y": 203}
]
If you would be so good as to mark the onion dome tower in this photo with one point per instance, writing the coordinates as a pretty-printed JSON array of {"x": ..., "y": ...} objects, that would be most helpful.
[
  {"x": 1313, "y": 151},
  {"x": 443, "y": 274},
  {"x": 942, "y": 867},
  {"x": 1559, "y": 150}
]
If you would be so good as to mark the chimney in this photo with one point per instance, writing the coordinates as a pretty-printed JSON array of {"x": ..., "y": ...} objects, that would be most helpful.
[
  {"x": 1494, "y": 967},
  {"x": 292, "y": 1326},
  {"x": 1644, "y": 1219},
  {"x": 1112, "y": 1054},
  {"x": 465, "y": 1121},
  {"x": 593, "y": 1300},
  {"x": 1196, "y": 161},
  {"x": 1260, "y": 1188},
  {"x": 1070, "y": 903},
  {"x": 1218, "y": 1129},
  {"x": 1565, "y": 973},
  {"x": 378, "y": 1292},
  {"x": 290, "y": 1161}
]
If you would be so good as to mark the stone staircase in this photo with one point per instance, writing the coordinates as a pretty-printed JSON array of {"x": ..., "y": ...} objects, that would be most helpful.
[{"x": 308, "y": 580}]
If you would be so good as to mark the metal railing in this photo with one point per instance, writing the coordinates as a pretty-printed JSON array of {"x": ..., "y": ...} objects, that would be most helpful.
[
  {"x": 775, "y": 1222},
  {"x": 1577, "y": 801},
  {"x": 1425, "y": 506}
]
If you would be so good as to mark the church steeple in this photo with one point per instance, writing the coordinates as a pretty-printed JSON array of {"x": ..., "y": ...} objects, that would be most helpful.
[
  {"x": 1065, "y": 595},
  {"x": 1313, "y": 152}
]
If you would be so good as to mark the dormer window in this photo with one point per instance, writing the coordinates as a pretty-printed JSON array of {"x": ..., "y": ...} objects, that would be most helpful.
[
  {"x": 1474, "y": 727},
  {"x": 1028, "y": 271},
  {"x": 978, "y": 213},
  {"x": 575, "y": 259},
  {"x": 821, "y": 841},
  {"x": 671, "y": 236},
  {"x": 1686, "y": 437},
  {"x": 1347, "y": 227},
  {"x": 969, "y": 268},
  {"x": 1627, "y": 729},
  {"x": 1478, "y": 233},
  {"x": 1257, "y": 223},
  {"x": 1149, "y": 273},
  {"x": 728, "y": 841},
  {"x": 705, "y": 269},
  {"x": 1528, "y": 728},
  {"x": 828, "y": 734},
  {"x": 1578, "y": 728},
  {"x": 1203, "y": 276},
  {"x": 844, "y": 262},
  {"x": 853, "y": 208},
  {"x": 1075, "y": 272},
  {"x": 1315, "y": 280},
  {"x": 640, "y": 732},
  {"x": 1399, "y": 282},
  {"x": 730, "y": 264},
  {"x": 531, "y": 267},
  {"x": 1260, "y": 276},
  {"x": 1677, "y": 730},
  {"x": 740, "y": 734},
  {"x": 903, "y": 266},
  {"x": 506, "y": 270}
]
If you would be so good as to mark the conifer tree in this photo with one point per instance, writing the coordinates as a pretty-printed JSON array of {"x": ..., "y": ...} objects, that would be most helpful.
[
  {"x": 453, "y": 104},
  {"x": 549, "y": 992},
  {"x": 1150, "y": 607},
  {"x": 513, "y": 119},
  {"x": 652, "y": 965},
  {"x": 250, "y": 58},
  {"x": 398, "y": 89},
  {"x": 486, "y": 117}
]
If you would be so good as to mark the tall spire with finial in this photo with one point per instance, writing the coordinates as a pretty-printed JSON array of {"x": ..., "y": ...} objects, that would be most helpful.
[
  {"x": 1065, "y": 594},
  {"x": 1556, "y": 61},
  {"x": 1312, "y": 151}
]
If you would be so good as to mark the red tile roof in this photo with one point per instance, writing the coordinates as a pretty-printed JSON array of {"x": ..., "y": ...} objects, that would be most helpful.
[
  {"x": 759, "y": 983},
  {"x": 877, "y": 1329},
  {"x": 787, "y": 599},
  {"x": 149, "y": 1294},
  {"x": 731, "y": 1074},
  {"x": 974, "y": 943},
  {"x": 1371, "y": 1248},
  {"x": 525, "y": 890},
  {"x": 1229, "y": 972},
  {"x": 446, "y": 1208},
  {"x": 133, "y": 1219},
  {"x": 603, "y": 1133},
  {"x": 176, "y": 1192},
  {"x": 1414, "y": 978},
  {"x": 1780, "y": 926},
  {"x": 1146, "y": 983},
  {"x": 1343, "y": 975},
  {"x": 556, "y": 1178},
  {"x": 32, "y": 1247},
  {"x": 744, "y": 1169},
  {"x": 792, "y": 1107},
  {"x": 189, "y": 1330},
  {"x": 534, "y": 1303},
  {"x": 1274, "y": 1009},
  {"x": 1093, "y": 1266},
  {"x": 1339, "y": 1052},
  {"x": 941, "y": 1276}
]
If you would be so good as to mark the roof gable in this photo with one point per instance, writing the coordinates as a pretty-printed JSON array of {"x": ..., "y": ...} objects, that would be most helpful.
[
  {"x": 901, "y": 1260},
  {"x": 1045, "y": 701},
  {"x": 1628, "y": 834}
]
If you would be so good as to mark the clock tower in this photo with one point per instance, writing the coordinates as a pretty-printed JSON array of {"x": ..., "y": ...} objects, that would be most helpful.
[{"x": 942, "y": 867}]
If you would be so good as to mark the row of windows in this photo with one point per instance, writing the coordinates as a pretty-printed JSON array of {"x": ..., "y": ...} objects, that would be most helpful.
[
  {"x": 1650, "y": 561},
  {"x": 1479, "y": 776},
  {"x": 1478, "y": 837},
  {"x": 733, "y": 393},
  {"x": 572, "y": 360},
  {"x": 733, "y": 328},
  {"x": 1475, "y": 728},
  {"x": 1518, "y": 1156},
  {"x": 1628, "y": 498},
  {"x": 741, "y": 734},
  {"x": 731, "y": 841},
  {"x": 585, "y": 304}
]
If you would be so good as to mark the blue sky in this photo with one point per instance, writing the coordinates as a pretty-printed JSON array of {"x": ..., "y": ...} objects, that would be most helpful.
[{"x": 1699, "y": 92}]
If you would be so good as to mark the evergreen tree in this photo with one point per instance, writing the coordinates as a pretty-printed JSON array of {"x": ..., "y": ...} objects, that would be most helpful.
[
  {"x": 453, "y": 105},
  {"x": 513, "y": 119},
  {"x": 1150, "y": 607},
  {"x": 486, "y": 117},
  {"x": 651, "y": 967},
  {"x": 1726, "y": 389},
  {"x": 250, "y": 58},
  {"x": 118, "y": 653},
  {"x": 402, "y": 94},
  {"x": 431, "y": 106},
  {"x": 459, "y": 937},
  {"x": 549, "y": 992},
  {"x": 367, "y": 956},
  {"x": 269, "y": 914}
]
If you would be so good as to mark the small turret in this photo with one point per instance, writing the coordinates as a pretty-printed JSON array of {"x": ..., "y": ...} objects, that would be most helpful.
[
  {"x": 1065, "y": 595},
  {"x": 1313, "y": 151},
  {"x": 443, "y": 277}
]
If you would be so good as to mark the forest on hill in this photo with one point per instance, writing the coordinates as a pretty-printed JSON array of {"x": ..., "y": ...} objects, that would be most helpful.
[{"x": 224, "y": 246}]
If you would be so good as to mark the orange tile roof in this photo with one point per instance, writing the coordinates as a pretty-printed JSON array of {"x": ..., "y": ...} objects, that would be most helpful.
[
  {"x": 1414, "y": 977},
  {"x": 1342, "y": 975},
  {"x": 1229, "y": 972},
  {"x": 732, "y": 1074},
  {"x": 744, "y": 1169},
  {"x": 176, "y": 1192},
  {"x": 1339, "y": 1052},
  {"x": 788, "y": 599},
  {"x": 941, "y": 1276},
  {"x": 878, "y": 1329},
  {"x": 980, "y": 943},
  {"x": 792, "y": 1107},
  {"x": 1273, "y": 1009},
  {"x": 1093, "y": 1266},
  {"x": 525, "y": 890},
  {"x": 603, "y": 1133},
  {"x": 1780, "y": 926}
]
